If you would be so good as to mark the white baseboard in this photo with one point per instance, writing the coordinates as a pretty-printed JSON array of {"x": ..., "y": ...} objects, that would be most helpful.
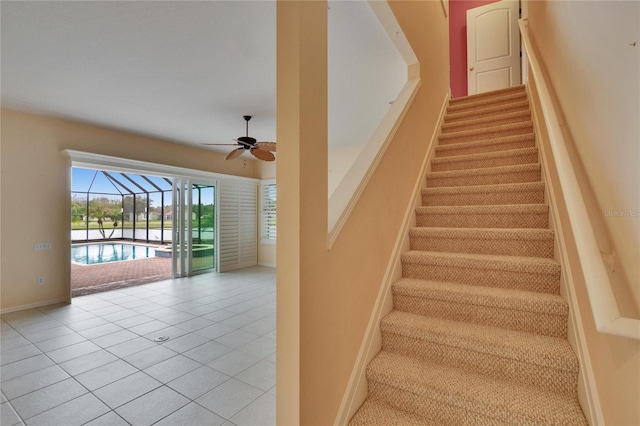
[
  {"x": 270, "y": 265},
  {"x": 33, "y": 305},
  {"x": 356, "y": 390}
]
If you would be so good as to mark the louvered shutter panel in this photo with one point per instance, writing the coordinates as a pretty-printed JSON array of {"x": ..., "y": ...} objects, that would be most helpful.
[{"x": 238, "y": 242}]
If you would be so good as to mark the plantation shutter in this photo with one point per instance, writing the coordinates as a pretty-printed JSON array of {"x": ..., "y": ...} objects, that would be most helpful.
[
  {"x": 238, "y": 232},
  {"x": 268, "y": 213}
]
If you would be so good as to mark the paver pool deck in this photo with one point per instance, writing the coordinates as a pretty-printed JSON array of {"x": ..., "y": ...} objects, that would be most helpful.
[{"x": 88, "y": 279}]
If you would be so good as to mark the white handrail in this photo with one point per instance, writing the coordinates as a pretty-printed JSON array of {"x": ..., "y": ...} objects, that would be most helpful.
[{"x": 603, "y": 303}]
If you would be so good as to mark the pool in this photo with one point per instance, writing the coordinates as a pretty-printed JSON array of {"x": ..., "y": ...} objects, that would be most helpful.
[{"x": 91, "y": 254}]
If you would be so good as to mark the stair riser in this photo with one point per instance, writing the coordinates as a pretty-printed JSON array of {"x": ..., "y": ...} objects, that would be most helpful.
[
  {"x": 529, "y": 143},
  {"x": 507, "y": 91},
  {"x": 509, "y": 318},
  {"x": 543, "y": 283},
  {"x": 528, "y": 248},
  {"x": 444, "y": 166},
  {"x": 451, "y": 138},
  {"x": 530, "y": 220},
  {"x": 484, "y": 122},
  {"x": 488, "y": 179},
  {"x": 443, "y": 409},
  {"x": 501, "y": 367},
  {"x": 495, "y": 110},
  {"x": 478, "y": 199}
]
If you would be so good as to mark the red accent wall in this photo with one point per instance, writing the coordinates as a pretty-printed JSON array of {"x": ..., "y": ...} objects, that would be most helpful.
[{"x": 458, "y": 43}]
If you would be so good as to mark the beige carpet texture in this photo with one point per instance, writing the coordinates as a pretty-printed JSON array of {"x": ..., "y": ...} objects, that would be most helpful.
[{"x": 478, "y": 331}]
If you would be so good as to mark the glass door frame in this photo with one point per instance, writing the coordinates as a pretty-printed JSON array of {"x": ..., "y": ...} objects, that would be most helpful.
[{"x": 182, "y": 224}]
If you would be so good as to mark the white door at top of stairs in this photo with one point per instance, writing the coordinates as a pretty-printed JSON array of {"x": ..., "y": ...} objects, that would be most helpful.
[{"x": 493, "y": 47}]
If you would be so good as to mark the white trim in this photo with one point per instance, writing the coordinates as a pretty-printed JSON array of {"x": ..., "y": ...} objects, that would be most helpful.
[
  {"x": 33, "y": 305},
  {"x": 371, "y": 343},
  {"x": 270, "y": 265},
  {"x": 346, "y": 195},
  {"x": 603, "y": 302},
  {"x": 118, "y": 164},
  {"x": 590, "y": 402}
]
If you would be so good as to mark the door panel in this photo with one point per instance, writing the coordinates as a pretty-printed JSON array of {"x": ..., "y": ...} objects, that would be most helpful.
[
  {"x": 493, "y": 46},
  {"x": 193, "y": 245}
]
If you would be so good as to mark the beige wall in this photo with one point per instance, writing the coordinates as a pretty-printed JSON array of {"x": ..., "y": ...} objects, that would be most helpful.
[
  {"x": 586, "y": 50},
  {"x": 36, "y": 185},
  {"x": 584, "y": 47},
  {"x": 325, "y": 297}
]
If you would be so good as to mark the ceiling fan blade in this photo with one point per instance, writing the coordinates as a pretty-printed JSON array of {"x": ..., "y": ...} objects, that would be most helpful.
[
  {"x": 233, "y": 154},
  {"x": 263, "y": 155},
  {"x": 220, "y": 144},
  {"x": 267, "y": 146}
]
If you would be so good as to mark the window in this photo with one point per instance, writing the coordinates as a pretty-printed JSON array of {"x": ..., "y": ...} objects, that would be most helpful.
[{"x": 268, "y": 212}]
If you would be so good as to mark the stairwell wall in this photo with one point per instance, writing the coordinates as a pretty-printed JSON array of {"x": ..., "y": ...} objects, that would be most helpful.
[
  {"x": 584, "y": 47},
  {"x": 326, "y": 296}
]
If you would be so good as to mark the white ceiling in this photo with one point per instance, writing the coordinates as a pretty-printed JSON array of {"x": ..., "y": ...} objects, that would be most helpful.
[{"x": 185, "y": 71}]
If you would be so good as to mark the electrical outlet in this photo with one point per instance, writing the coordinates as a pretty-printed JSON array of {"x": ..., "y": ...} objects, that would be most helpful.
[
  {"x": 42, "y": 246},
  {"x": 40, "y": 280}
]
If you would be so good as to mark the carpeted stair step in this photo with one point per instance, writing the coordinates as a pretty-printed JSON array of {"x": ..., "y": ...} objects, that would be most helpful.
[
  {"x": 488, "y": 132},
  {"x": 485, "y": 176},
  {"x": 376, "y": 412},
  {"x": 540, "y": 313},
  {"x": 489, "y": 145},
  {"x": 526, "y": 358},
  {"x": 509, "y": 193},
  {"x": 451, "y": 396},
  {"x": 488, "y": 159},
  {"x": 494, "y": 216},
  {"x": 476, "y": 104},
  {"x": 517, "y": 105},
  {"x": 515, "y": 272},
  {"x": 483, "y": 121},
  {"x": 495, "y": 94},
  {"x": 512, "y": 242}
]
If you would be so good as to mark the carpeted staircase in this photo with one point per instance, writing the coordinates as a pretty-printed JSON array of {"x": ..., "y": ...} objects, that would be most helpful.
[{"x": 478, "y": 334}]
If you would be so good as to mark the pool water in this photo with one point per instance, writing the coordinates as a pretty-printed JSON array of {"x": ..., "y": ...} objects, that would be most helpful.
[{"x": 91, "y": 254}]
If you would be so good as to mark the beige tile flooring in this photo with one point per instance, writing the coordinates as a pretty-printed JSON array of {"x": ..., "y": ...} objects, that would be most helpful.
[{"x": 97, "y": 362}]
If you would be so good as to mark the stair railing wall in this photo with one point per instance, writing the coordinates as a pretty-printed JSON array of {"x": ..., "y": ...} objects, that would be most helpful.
[
  {"x": 603, "y": 303},
  {"x": 577, "y": 247},
  {"x": 356, "y": 391}
]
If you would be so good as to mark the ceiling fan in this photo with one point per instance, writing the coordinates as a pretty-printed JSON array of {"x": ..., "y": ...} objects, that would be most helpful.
[{"x": 260, "y": 150}]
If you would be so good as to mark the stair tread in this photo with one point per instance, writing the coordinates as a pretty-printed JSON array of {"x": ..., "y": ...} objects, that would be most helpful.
[
  {"x": 485, "y": 209},
  {"x": 486, "y": 170},
  {"x": 488, "y": 119},
  {"x": 496, "y": 297},
  {"x": 500, "y": 400},
  {"x": 495, "y": 93},
  {"x": 486, "y": 142},
  {"x": 486, "y": 155},
  {"x": 477, "y": 189},
  {"x": 529, "y": 348},
  {"x": 485, "y": 261},
  {"x": 482, "y": 233},
  {"x": 375, "y": 411},
  {"x": 479, "y": 102},
  {"x": 511, "y": 105},
  {"x": 525, "y": 124}
]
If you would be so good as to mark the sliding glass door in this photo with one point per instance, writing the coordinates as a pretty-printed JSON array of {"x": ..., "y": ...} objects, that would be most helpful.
[{"x": 193, "y": 248}]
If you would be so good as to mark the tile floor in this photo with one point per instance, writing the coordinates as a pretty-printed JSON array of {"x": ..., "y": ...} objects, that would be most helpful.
[{"x": 98, "y": 361}]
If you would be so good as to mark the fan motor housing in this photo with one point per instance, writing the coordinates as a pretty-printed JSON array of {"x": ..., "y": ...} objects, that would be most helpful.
[{"x": 249, "y": 140}]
